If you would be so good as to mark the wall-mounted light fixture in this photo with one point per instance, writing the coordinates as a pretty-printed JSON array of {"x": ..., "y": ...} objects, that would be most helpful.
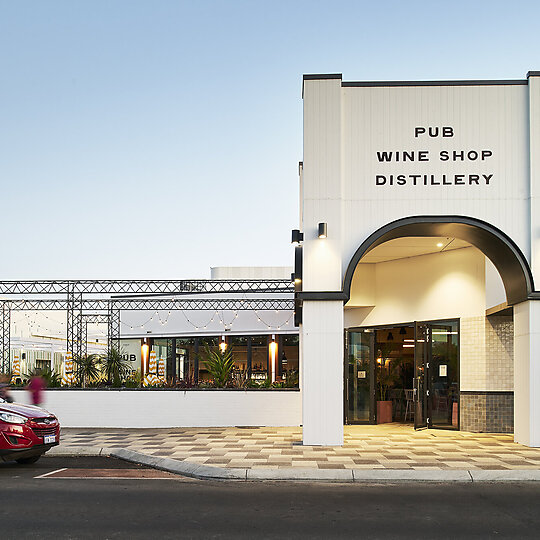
[
  {"x": 297, "y": 237},
  {"x": 145, "y": 350},
  {"x": 223, "y": 345},
  {"x": 322, "y": 230}
]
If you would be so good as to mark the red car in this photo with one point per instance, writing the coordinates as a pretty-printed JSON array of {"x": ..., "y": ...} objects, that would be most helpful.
[{"x": 26, "y": 432}]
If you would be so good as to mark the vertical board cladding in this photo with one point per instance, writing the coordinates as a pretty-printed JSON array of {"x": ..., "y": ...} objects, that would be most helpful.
[
  {"x": 445, "y": 150},
  {"x": 398, "y": 151},
  {"x": 534, "y": 167},
  {"x": 321, "y": 181}
]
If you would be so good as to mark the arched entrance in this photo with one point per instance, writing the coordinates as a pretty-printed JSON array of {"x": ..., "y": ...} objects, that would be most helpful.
[
  {"x": 412, "y": 365},
  {"x": 496, "y": 245}
]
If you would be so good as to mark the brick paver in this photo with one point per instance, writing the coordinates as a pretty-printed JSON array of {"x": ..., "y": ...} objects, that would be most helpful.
[{"x": 387, "y": 446}]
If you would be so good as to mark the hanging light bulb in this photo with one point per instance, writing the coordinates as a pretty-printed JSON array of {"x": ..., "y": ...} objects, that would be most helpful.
[{"x": 273, "y": 354}]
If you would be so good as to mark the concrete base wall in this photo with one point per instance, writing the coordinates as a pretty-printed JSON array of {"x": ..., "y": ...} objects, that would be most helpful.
[{"x": 162, "y": 409}]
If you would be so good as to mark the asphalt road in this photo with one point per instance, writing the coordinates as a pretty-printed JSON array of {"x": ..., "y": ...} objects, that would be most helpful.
[{"x": 93, "y": 501}]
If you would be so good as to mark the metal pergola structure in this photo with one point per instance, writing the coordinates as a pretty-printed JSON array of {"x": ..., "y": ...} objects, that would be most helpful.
[{"x": 77, "y": 298}]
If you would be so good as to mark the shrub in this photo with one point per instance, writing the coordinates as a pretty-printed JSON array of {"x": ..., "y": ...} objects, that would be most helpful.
[
  {"x": 52, "y": 379},
  {"x": 220, "y": 365},
  {"x": 115, "y": 367}
]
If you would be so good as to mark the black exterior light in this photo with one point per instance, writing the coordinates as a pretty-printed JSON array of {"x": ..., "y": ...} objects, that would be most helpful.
[
  {"x": 322, "y": 230},
  {"x": 297, "y": 237},
  {"x": 297, "y": 276}
]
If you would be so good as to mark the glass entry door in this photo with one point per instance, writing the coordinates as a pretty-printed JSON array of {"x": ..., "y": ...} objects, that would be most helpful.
[
  {"x": 444, "y": 375},
  {"x": 436, "y": 377},
  {"x": 421, "y": 364},
  {"x": 360, "y": 377},
  {"x": 379, "y": 366}
]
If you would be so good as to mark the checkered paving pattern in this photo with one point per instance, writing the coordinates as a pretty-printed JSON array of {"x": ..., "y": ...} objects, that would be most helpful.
[{"x": 388, "y": 446}]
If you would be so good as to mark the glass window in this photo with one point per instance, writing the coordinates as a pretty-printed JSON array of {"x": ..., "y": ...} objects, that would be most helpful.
[
  {"x": 240, "y": 355},
  {"x": 159, "y": 346},
  {"x": 290, "y": 365},
  {"x": 185, "y": 359},
  {"x": 206, "y": 343},
  {"x": 259, "y": 357}
]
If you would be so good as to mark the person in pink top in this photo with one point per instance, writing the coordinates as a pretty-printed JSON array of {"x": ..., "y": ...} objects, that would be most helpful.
[{"x": 36, "y": 386}]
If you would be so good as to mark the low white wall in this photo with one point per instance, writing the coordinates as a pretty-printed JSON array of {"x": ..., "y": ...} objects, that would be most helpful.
[{"x": 160, "y": 409}]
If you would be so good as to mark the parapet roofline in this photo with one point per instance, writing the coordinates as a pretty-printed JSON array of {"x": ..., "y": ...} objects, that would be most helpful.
[{"x": 472, "y": 82}]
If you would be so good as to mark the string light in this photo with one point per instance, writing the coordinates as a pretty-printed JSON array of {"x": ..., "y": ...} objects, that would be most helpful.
[
  {"x": 222, "y": 319},
  {"x": 34, "y": 321},
  {"x": 270, "y": 326}
]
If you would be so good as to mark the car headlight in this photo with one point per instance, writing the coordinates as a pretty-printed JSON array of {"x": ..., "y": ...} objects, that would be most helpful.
[{"x": 11, "y": 418}]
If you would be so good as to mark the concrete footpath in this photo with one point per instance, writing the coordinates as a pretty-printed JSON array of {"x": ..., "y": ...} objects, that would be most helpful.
[{"x": 390, "y": 453}]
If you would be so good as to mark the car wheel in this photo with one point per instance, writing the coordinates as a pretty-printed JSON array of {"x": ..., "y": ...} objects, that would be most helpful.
[{"x": 27, "y": 460}]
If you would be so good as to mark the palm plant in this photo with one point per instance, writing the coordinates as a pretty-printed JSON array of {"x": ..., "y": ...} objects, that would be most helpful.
[
  {"x": 387, "y": 368},
  {"x": 115, "y": 366},
  {"x": 220, "y": 365},
  {"x": 87, "y": 368}
]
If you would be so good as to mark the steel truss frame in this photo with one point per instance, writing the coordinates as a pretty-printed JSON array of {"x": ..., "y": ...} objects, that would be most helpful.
[
  {"x": 145, "y": 287},
  {"x": 136, "y": 295},
  {"x": 5, "y": 337}
]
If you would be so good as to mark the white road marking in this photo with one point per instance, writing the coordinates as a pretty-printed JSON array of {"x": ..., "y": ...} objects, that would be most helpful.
[
  {"x": 49, "y": 473},
  {"x": 109, "y": 478}
]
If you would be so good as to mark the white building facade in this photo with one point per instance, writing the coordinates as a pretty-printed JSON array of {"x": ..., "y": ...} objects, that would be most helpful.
[{"x": 427, "y": 195}]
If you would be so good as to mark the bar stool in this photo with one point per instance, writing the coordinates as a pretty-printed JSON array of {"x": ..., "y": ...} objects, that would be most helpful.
[{"x": 409, "y": 400}]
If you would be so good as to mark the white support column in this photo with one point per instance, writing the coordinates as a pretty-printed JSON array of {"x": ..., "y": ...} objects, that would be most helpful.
[
  {"x": 322, "y": 328},
  {"x": 322, "y": 373},
  {"x": 527, "y": 373}
]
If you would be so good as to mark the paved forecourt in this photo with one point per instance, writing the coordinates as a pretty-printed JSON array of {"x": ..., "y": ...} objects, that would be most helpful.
[{"x": 388, "y": 446}]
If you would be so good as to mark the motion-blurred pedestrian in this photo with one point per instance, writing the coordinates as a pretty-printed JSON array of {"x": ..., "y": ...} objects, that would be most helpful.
[{"x": 36, "y": 387}]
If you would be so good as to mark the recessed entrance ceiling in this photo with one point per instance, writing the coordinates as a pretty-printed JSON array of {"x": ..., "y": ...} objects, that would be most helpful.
[
  {"x": 412, "y": 246},
  {"x": 499, "y": 248}
]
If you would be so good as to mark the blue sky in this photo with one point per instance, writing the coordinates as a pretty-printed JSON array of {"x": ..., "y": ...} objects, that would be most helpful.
[{"x": 156, "y": 139}]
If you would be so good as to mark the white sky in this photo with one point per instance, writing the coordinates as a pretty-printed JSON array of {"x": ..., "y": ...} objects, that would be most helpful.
[{"x": 157, "y": 139}]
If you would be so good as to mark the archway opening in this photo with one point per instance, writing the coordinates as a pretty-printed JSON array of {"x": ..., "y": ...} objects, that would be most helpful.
[
  {"x": 499, "y": 248},
  {"x": 444, "y": 285}
]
